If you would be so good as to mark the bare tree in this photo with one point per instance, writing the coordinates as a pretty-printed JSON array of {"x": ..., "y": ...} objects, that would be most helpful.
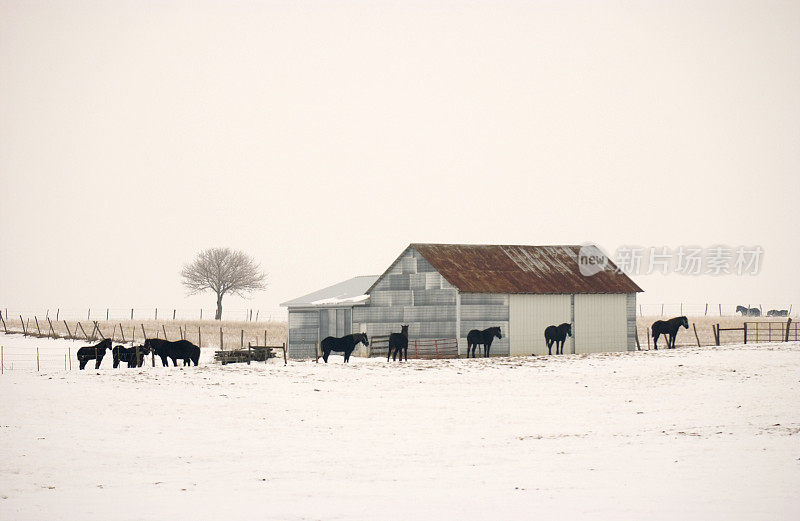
[{"x": 223, "y": 271}]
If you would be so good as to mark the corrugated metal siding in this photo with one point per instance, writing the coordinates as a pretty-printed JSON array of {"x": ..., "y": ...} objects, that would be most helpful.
[
  {"x": 530, "y": 315},
  {"x": 481, "y": 311},
  {"x": 631, "y": 317},
  {"x": 412, "y": 293},
  {"x": 303, "y": 332},
  {"x": 601, "y": 323}
]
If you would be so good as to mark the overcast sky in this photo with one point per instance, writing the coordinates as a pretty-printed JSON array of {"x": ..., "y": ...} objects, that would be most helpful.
[{"x": 324, "y": 137}]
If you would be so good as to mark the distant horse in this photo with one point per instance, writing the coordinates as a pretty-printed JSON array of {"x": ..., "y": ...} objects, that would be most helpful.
[
  {"x": 181, "y": 349},
  {"x": 95, "y": 352},
  {"x": 748, "y": 312},
  {"x": 399, "y": 343},
  {"x": 133, "y": 356},
  {"x": 778, "y": 313},
  {"x": 484, "y": 338},
  {"x": 668, "y": 328},
  {"x": 345, "y": 344},
  {"x": 557, "y": 335}
]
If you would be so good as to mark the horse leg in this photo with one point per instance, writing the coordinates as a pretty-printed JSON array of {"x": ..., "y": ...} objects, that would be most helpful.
[
  {"x": 655, "y": 340},
  {"x": 82, "y": 364},
  {"x": 97, "y": 363},
  {"x": 549, "y": 346},
  {"x": 405, "y": 350}
]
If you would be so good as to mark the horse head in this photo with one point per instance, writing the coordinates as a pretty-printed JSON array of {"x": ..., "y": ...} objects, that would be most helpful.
[
  {"x": 568, "y": 329},
  {"x": 496, "y": 332},
  {"x": 404, "y": 331},
  {"x": 363, "y": 338},
  {"x": 684, "y": 322},
  {"x": 106, "y": 344}
]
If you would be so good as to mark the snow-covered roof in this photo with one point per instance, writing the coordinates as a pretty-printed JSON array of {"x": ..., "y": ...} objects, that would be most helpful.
[{"x": 349, "y": 292}]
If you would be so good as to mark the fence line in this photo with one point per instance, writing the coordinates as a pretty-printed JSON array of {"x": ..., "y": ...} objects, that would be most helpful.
[
  {"x": 710, "y": 309},
  {"x": 138, "y": 314}
]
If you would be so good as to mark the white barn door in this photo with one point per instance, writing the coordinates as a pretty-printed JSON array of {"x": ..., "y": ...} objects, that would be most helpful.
[
  {"x": 600, "y": 323},
  {"x": 529, "y": 315}
]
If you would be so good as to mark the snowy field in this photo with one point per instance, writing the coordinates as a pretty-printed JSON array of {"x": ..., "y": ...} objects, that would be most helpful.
[{"x": 711, "y": 433}]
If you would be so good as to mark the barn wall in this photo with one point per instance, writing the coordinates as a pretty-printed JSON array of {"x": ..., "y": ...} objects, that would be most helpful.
[
  {"x": 530, "y": 315},
  {"x": 601, "y": 323},
  {"x": 481, "y": 311},
  {"x": 631, "y": 317},
  {"x": 410, "y": 292},
  {"x": 303, "y": 332}
]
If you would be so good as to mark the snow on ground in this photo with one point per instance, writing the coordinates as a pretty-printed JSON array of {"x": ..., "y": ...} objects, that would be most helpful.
[{"x": 709, "y": 433}]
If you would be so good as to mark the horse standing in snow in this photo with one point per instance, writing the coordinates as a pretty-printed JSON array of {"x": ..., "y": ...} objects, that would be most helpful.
[
  {"x": 484, "y": 338},
  {"x": 557, "y": 335},
  {"x": 345, "y": 344},
  {"x": 95, "y": 352},
  {"x": 399, "y": 343},
  {"x": 179, "y": 350},
  {"x": 668, "y": 328}
]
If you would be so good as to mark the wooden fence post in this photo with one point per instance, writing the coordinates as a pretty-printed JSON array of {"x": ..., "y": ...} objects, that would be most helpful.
[
  {"x": 106, "y": 314},
  {"x": 648, "y": 339},
  {"x": 37, "y": 325},
  {"x": 122, "y": 332},
  {"x": 89, "y": 315},
  {"x": 242, "y": 344},
  {"x": 131, "y": 313},
  {"x": 165, "y": 331},
  {"x": 58, "y": 310},
  {"x": 720, "y": 310},
  {"x": 221, "y": 342},
  {"x": 284, "y": 354},
  {"x": 69, "y": 355},
  {"x": 662, "y": 310},
  {"x": 4, "y": 326},
  {"x": 156, "y": 315},
  {"x": 24, "y": 330},
  {"x": 249, "y": 353},
  {"x": 69, "y": 333},
  {"x": 788, "y": 324},
  {"x": 52, "y": 331},
  {"x": 695, "y": 334},
  {"x": 706, "y": 313},
  {"x": 745, "y": 332},
  {"x": 199, "y": 337},
  {"x": 638, "y": 346},
  {"x": 173, "y": 314}
]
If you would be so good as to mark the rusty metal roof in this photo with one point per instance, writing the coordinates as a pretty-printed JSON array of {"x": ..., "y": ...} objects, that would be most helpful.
[{"x": 520, "y": 269}]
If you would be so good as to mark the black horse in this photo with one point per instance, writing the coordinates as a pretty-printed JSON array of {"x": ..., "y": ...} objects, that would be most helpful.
[
  {"x": 95, "y": 352},
  {"x": 778, "y": 313},
  {"x": 181, "y": 349},
  {"x": 668, "y": 328},
  {"x": 345, "y": 344},
  {"x": 398, "y": 342},
  {"x": 484, "y": 338},
  {"x": 133, "y": 356},
  {"x": 748, "y": 312},
  {"x": 557, "y": 335}
]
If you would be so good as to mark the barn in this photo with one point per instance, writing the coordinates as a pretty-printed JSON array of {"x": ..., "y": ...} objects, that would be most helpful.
[
  {"x": 326, "y": 312},
  {"x": 442, "y": 291}
]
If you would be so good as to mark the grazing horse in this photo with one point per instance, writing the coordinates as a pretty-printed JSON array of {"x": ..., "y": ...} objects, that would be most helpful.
[
  {"x": 182, "y": 349},
  {"x": 345, "y": 344},
  {"x": 399, "y": 343},
  {"x": 668, "y": 328},
  {"x": 133, "y": 356},
  {"x": 484, "y": 338},
  {"x": 95, "y": 352},
  {"x": 557, "y": 335},
  {"x": 778, "y": 313},
  {"x": 748, "y": 312}
]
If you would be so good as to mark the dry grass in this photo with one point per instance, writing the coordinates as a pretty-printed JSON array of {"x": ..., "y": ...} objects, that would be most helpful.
[
  {"x": 205, "y": 333},
  {"x": 704, "y": 330}
]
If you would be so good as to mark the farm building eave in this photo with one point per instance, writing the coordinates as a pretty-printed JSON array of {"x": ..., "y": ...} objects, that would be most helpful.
[
  {"x": 350, "y": 292},
  {"x": 474, "y": 268}
]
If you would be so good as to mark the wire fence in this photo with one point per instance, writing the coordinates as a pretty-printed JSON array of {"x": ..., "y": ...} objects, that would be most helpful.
[
  {"x": 714, "y": 309},
  {"x": 140, "y": 314}
]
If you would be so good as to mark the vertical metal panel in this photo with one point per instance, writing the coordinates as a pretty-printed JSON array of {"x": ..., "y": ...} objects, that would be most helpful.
[
  {"x": 631, "y": 318},
  {"x": 529, "y": 315},
  {"x": 601, "y": 323},
  {"x": 303, "y": 332}
]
